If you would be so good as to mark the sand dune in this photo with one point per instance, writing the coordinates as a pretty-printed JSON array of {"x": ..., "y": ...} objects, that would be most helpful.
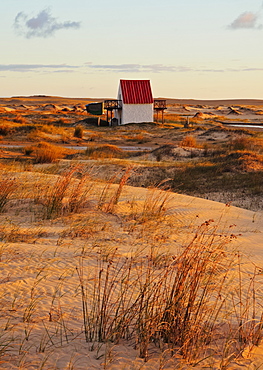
[
  {"x": 40, "y": 296},
  {"x": 132, "y": 240}
]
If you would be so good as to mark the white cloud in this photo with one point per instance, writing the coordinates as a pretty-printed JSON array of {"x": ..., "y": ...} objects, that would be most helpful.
[
  {"x": 117, "y": 68},
  {"x": 136, "y": 68},
  {"x": 35, "y": 67},
  {"x": 43, "y": 25},
  {"x": 158, "y": 68},
  {"x": 246, "y": 20}
]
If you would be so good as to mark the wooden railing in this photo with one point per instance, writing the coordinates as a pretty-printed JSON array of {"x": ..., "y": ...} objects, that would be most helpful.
[
  {"x": 112, "y": 104},
  {"x": 159, "y": 104}
]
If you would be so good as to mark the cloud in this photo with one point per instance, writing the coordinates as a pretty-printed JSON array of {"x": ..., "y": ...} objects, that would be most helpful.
[
  {"x": 43, "y": 25},
  {"x": 118, "y": 68},
  {"x": 36, "y": 67},
  {"x": 136, "y": 68},
  {"x": 246, "y": 20},
  {"x": 158, "y": 68}
]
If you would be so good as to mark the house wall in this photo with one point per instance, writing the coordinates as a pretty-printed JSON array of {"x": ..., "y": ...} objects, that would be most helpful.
[
  {"x": 136, "y": 113},
  {"x": 118, "y": 112}
]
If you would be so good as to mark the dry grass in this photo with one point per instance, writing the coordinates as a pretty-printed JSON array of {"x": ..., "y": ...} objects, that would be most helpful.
[
  {"x": 177, "y": 307},
  {"x": 20, "y": 119},
  {"x": 189, "y": 141},
  {"x": 66, "y": 195},
  {"x": 79, "y": 132},
  {"x": 104, "y": 151},
  {"x": 174, "y": 118},
  {"x": 95, "y": 271},
  {"x": 6, "y": 128},
  {"x": 45, "y": 152},
  {"x": 108, "y": 199},
  {"x": 8, "y": 185},
  {"x": 181, "y": 303}
]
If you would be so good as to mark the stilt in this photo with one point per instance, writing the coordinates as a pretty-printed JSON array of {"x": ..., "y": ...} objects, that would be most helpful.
[{"x": 159, "y": 105}]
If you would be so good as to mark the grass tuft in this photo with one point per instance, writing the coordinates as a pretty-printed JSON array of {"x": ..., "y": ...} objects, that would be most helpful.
[
  {"x": 105, "y": 151},
  {"x": 45, "y": 153},
  {"x": 66, "y": 195},
  {"x": 79, "y": 132},
  {"x": 8, "y": 186},
  {"x": 189, "y": 141}
]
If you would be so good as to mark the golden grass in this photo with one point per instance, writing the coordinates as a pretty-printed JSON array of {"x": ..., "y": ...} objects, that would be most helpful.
[
  {"x": 66, "y": 195},
  {"x": 188, "y": 141},
  {"x": 6, "y": 128},
  {"x": 45, "y": 152},
  {"x": 78, "y": 132},
  {"x": 104, "y": 151},
  {"x": 8, "y": 186},
  {"x": 20, "y": 119},
  {"x": 81, "y": 286}
]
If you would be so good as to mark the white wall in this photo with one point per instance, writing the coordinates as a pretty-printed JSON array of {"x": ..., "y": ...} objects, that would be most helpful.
[{"x": 136, "y": 113}]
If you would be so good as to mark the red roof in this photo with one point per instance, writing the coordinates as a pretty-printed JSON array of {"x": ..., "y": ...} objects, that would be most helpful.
[{"x": 136, "y": 92}]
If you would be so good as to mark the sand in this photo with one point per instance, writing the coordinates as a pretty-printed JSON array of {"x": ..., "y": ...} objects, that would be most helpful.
[{"x": 41, "y": 314}]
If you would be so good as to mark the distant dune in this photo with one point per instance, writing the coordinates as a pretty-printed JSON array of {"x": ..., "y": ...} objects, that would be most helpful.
[
  {"x": 227, "y": 102},
  {"x": 43, "y": 99}
]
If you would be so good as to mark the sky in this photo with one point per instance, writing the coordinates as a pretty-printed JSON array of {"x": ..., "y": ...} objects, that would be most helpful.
[{"x": 194, "y": 49}]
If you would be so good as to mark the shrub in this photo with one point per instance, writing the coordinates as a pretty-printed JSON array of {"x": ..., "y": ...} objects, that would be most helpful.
[
  {"x": 105, "y": 151},
  {"x": 5, "y": 129},
  {"x": 45, "y": 152},
  {"x": 241, "y": 143},
  {"x": 140, "y": 138},
  {"x": 20, "y": 119},
  {"x": 34, "y": 135},
  {"x": 188, "y": 141},
  {"x": 62, "y": 121},
  {"x": 79, "y": 132}
]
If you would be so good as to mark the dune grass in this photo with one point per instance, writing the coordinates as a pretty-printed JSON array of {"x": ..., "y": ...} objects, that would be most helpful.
[
  {"x": 66, "y": 195},
  {"x": 44, "y": 152},
  {"x": 109, "y": 276},
  {"x": 181, "y": 303},
  {"x": 177, "y": 307},
  {"x": 104, "y": 151},
  {"x": 8, "y": 185}
]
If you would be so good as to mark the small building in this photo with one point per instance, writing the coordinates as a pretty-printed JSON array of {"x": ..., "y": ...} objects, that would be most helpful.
[{"x": 135, "y": 102}]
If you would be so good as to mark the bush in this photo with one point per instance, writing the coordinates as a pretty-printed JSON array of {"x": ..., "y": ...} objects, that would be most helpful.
[
  {"x": 20, "y": 119},
  {"x": 188, "y": 141},
  {"x": 241, "y": 143},
  {"x": 45, "y": 152},
  {"x": 78, "y": 132},
  {"x": 105, "y": 151},
  {"x": 5, "y": 129}
]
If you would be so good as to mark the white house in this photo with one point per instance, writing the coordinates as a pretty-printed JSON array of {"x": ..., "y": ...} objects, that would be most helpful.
[{"x": 136, "y": 103}]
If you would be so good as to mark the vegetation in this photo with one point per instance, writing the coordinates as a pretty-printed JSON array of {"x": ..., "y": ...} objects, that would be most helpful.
[
  {"x": 89, "y": 263},
  {"x": 104, "y": 151},
  {"x": 177, "y": 301},
  {"x": 79, "y": 132},
  {"x": 45, "y": 152}
]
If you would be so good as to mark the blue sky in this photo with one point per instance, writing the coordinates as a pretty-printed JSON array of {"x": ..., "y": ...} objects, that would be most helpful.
[{"x": 199, "y": 49}]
